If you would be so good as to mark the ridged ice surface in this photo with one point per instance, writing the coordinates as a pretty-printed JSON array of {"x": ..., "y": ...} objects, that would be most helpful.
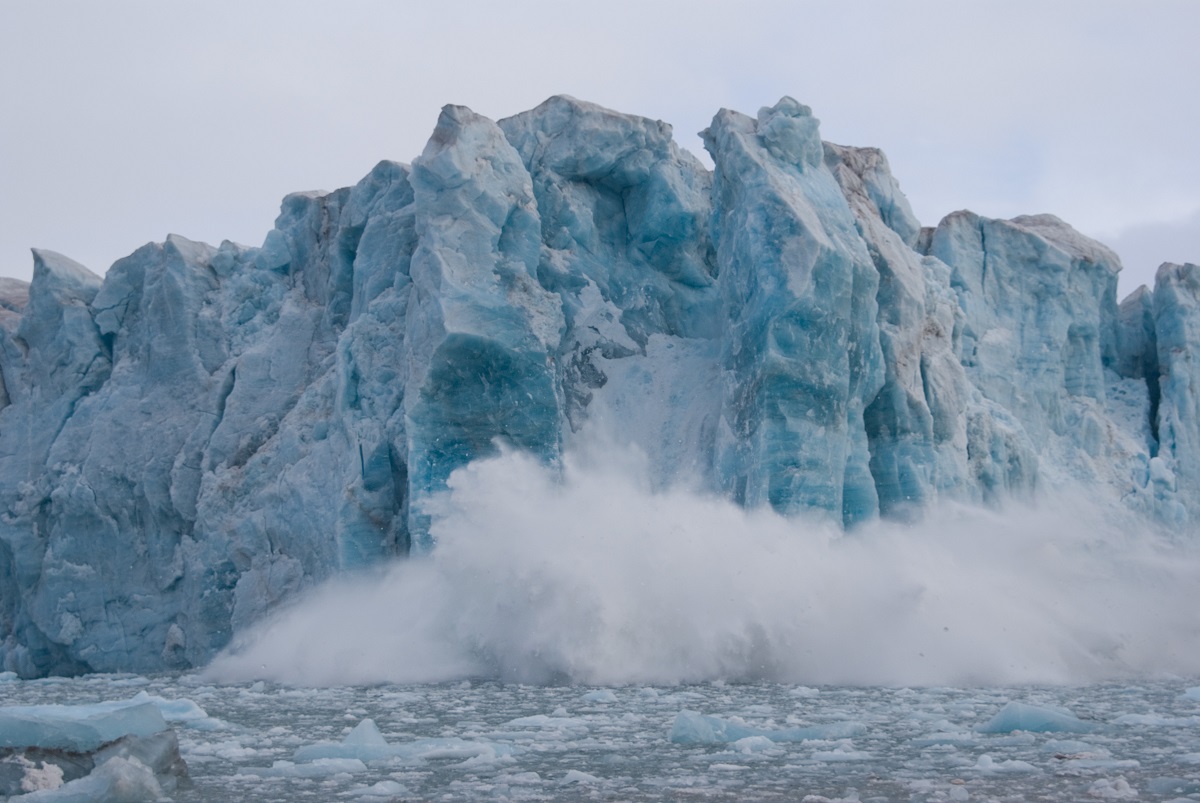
[{"x": 206, "y": 431}]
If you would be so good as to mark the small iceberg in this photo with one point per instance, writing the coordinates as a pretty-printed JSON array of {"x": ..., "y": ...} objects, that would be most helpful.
[{"x": 1034, "y": 719}]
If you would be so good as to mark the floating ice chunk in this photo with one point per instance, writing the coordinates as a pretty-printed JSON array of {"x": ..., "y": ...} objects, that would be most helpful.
[
  {"x": 1107, "y": 764},
  {"x": 691, "y": 727},
  {"x": 1118, "y": 789},
  {"x": 951, "y": 738},
  {"x": 99, "y": 752},
  {"x": 1172, "y": 786},
  {"x": 558, "y": 721},
  {"x": 454, "y": 748},
  {"x": 78, "y": 728},
  {"x": 1076, "y": 755},
  {"x": 989, "y": 765},
  {"x": 1073, "y": 747},
  {"x": 232, "y": 751},
  {"x": 843, "y": 752},
  {"x": 575, "y": 776},
  {"x": 365, "y": 733},
  {"x": 1036, "y": 719},
  {"x": 318, "y": 768},
  {"x": 118, "y": 780},
  {"x": 599, "y": 696},
  {"x": 365, "y": 743},
  {"x": 1192, "y": 693},
  {"x": 384, "y": 789},
  {"x": 137, "y": 681},
  {"x": 754, "y": 744},
  {"x": 183, "y": 711},
  {"x": 1156, "y": 720},
  {"x": 521, "y": 778}
]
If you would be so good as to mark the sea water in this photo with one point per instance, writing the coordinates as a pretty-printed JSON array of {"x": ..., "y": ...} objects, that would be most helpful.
[{"x": 472, "y": 740}]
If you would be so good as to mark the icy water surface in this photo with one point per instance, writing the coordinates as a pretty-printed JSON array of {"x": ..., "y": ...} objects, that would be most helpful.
[{"x": 489, "y": 741}]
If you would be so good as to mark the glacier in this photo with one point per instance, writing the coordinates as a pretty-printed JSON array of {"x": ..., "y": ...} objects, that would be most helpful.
[{"x": 194, "y": 438}]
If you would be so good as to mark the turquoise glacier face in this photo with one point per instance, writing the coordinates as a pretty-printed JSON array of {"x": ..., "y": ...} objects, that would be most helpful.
[{"x": 205, "y": 431}]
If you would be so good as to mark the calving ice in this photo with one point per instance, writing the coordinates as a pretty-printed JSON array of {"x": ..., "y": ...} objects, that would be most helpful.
[{"x": 205, "y": 432}]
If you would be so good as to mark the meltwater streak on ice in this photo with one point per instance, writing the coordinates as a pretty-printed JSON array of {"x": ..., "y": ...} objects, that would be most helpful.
[{"x": 585, "y": 577}]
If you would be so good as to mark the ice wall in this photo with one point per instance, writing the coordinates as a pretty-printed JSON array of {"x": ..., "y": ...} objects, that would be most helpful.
[
  {"x": 802, "y": 357},
  {"x": 206, "y": 431}
]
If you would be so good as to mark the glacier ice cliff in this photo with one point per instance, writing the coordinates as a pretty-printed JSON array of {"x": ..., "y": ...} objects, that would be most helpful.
[{"x": 204, "y": 431}]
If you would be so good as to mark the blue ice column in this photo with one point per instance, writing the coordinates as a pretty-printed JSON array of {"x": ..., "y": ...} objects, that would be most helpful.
[
  {"x": 52, "y": 358},
  {"x": 625, "y": 214},
  {"x": 802, "y": 358},
  {"x": 1040, "y": 312},
  {"x": 481, "y": 331},
  {"x": 1176, "y": 471},
  {"x": 1039, "y": 330},
  {"x": 917, "y": 423}
]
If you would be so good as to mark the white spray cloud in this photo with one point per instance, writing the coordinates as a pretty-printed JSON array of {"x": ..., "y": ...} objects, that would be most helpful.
[{"x": 585, "y": 576}]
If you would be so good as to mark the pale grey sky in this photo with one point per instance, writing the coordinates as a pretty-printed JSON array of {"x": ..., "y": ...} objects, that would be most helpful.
[{"x": 124, "y": 121}]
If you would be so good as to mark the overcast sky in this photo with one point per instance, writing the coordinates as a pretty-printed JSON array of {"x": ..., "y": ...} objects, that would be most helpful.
[{"x": 124, "y": 121}]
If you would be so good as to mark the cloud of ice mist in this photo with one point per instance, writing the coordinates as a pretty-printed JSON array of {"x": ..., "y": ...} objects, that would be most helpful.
[{"x": 586, "y": 577}]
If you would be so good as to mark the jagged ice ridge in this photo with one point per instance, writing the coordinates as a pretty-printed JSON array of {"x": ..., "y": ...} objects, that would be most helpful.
[{"x": 204, "y": 431}]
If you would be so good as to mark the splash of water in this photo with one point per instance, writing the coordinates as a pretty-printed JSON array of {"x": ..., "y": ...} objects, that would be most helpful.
[{"x": 589, "y": 577}]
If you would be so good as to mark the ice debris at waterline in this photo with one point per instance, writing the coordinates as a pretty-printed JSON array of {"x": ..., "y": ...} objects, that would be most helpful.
[
  {"x": 205, "y": 431},
  {"x": 511, "y": 742}
]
